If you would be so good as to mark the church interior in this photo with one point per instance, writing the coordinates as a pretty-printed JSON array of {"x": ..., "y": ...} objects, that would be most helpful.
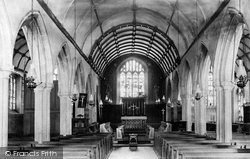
[{"x": 108, "y": 79}]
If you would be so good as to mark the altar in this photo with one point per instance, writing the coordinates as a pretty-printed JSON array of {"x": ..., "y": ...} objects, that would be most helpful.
[
  {"x": 133, "y": 113},
  {"x": 134, "y": 122}
]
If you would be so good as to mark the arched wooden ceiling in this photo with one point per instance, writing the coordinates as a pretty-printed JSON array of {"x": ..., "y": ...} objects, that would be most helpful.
[
  {"x": 134, "y": 38},
  {"x": 103, "y": 30},
  {"x": 244, "y": 49},
  {"x": 21, "y": 56}
]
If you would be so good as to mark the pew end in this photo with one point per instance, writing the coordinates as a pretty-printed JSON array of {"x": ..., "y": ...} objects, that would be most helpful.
[{"x": 119, "y": 132}]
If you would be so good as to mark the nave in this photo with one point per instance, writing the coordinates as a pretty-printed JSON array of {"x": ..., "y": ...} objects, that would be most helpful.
[
  {"x": 166, "y": 145},
  {"x": 125, "y": 153}
]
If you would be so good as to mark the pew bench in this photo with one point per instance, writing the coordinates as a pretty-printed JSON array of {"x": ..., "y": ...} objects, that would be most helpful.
[
  {"x": 182, "y": 146},
  {"x": 215, "y": 155},
  {"x": 97, "y": 146}
]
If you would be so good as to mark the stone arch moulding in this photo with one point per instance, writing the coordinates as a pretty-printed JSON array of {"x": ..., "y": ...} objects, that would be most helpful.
[
  {"x": 41, "y": 53},
  {"x": 80, "y": 77},
  {"x": 89, "y": 85},
  {"x": 7, "y": 39},
  {"x": 228, "y": 42},
  {"x": 175, "y": 86},
  {"x": 63, "y": 62},
  {"x": 204, "y": 68}
]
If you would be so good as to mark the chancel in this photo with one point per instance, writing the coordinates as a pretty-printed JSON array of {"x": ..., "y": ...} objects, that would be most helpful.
[{"x": 98, "y": 79}]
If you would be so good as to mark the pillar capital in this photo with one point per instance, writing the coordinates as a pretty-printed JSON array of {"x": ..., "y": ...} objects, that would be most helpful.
[
  {"x": 63, "y": 95},
  {"x": 5, "y": 73},
  {"x": 48, "y": 86},
  {"x": 227, "y": 85},
  {"x": 40, "y": 87},
  {"x": 184, "y": 95}
]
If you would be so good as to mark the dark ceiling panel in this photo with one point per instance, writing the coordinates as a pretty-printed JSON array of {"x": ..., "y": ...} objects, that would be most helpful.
[
  {"x": 133, "y": 38},
  {"x": 21, "y": 55}
]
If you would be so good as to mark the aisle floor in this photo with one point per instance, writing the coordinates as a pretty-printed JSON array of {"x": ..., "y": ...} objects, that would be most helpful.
[{"x": 126, "y": 153}]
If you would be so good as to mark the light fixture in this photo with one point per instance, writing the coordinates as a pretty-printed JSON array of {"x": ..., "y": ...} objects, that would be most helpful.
[
  {"x": 91, "y": 100},
  {"x": 106, "y": 98},
  {"x": 198, "y": 94},
  {"x": 157, "y": 101},
  {"x": 163, "y": 98},
  {"x": 179, "y": 100},
  {"x": 241, "y": 75},
  {"x": 101, "y": 104},
  {"x": 74, "y": 95},
  {"x": 31, "y": 76},
  {"x": 169, "y": 103}
]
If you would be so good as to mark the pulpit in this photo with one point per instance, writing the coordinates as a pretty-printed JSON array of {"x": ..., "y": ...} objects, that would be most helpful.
[{"x": 80, "y": 125}]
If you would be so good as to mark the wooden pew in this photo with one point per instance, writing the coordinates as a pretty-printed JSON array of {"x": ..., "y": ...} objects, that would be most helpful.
[
  {"x": 93, "y": 146},
  {"x": 181, "y": 145}
]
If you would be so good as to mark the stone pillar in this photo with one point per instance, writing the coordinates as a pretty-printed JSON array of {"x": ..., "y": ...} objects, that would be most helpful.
[
  {"x": 188, "y": 105},
  {"x": 225, "y": 113},
  {"x": 219, "y": 102},
  {"x": 184, "y": 107},
  {"x": 200, "y": 117},
  {"x": 42, "y": 112},
  {"x": 4, "y": 85},
  {"x": 65, "y": 115},
  {"x": 203, "y": 114},
  {"x": 196, "y": 116},
  {"x": 235, "y": 106},
  {"x": 175, "y": 109}
]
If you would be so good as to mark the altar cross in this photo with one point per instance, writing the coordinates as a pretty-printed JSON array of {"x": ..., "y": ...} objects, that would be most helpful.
[{"x": 133, "y": 107}]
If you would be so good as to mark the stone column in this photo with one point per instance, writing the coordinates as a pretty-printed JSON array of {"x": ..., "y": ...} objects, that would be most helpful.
[
  {"x": 200, "y": 116},
  {"x": 4, "y": 85},
  {"x": 184, "y": 107},
  {"x": 188, "y": 109},
  {"x": 219, "y": 102},
  {"x": 203, "y": 115},
  {"x": 65, "y": 115},
  {"x": 46, "y": 110},
  {"x": 42, "y": 112},
  {"x": 196, "y": 116},
  {"x": 225, "y": 113}
]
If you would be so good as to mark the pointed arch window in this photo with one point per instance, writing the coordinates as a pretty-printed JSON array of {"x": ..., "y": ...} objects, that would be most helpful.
[
  {"x": 211, "y": 98},
  {"x": 12, "y": 92},
  {"x": 132, "y": 79}
]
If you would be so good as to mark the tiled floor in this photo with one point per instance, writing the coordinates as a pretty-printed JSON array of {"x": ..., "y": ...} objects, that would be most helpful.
[{"x": 126, "y": 153}]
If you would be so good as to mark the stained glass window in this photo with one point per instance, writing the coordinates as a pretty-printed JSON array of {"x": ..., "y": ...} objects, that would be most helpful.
[
  {"x": 132, "y": 79},
  {"x": 211, "y": 97}
]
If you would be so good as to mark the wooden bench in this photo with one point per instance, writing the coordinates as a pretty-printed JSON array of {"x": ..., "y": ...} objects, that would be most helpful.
[
  {"x": 97, "y": 146},
  {"x": 182, "y": 145}
]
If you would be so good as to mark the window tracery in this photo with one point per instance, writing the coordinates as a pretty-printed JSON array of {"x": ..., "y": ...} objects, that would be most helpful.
[{"x": 132, "y": 79}]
